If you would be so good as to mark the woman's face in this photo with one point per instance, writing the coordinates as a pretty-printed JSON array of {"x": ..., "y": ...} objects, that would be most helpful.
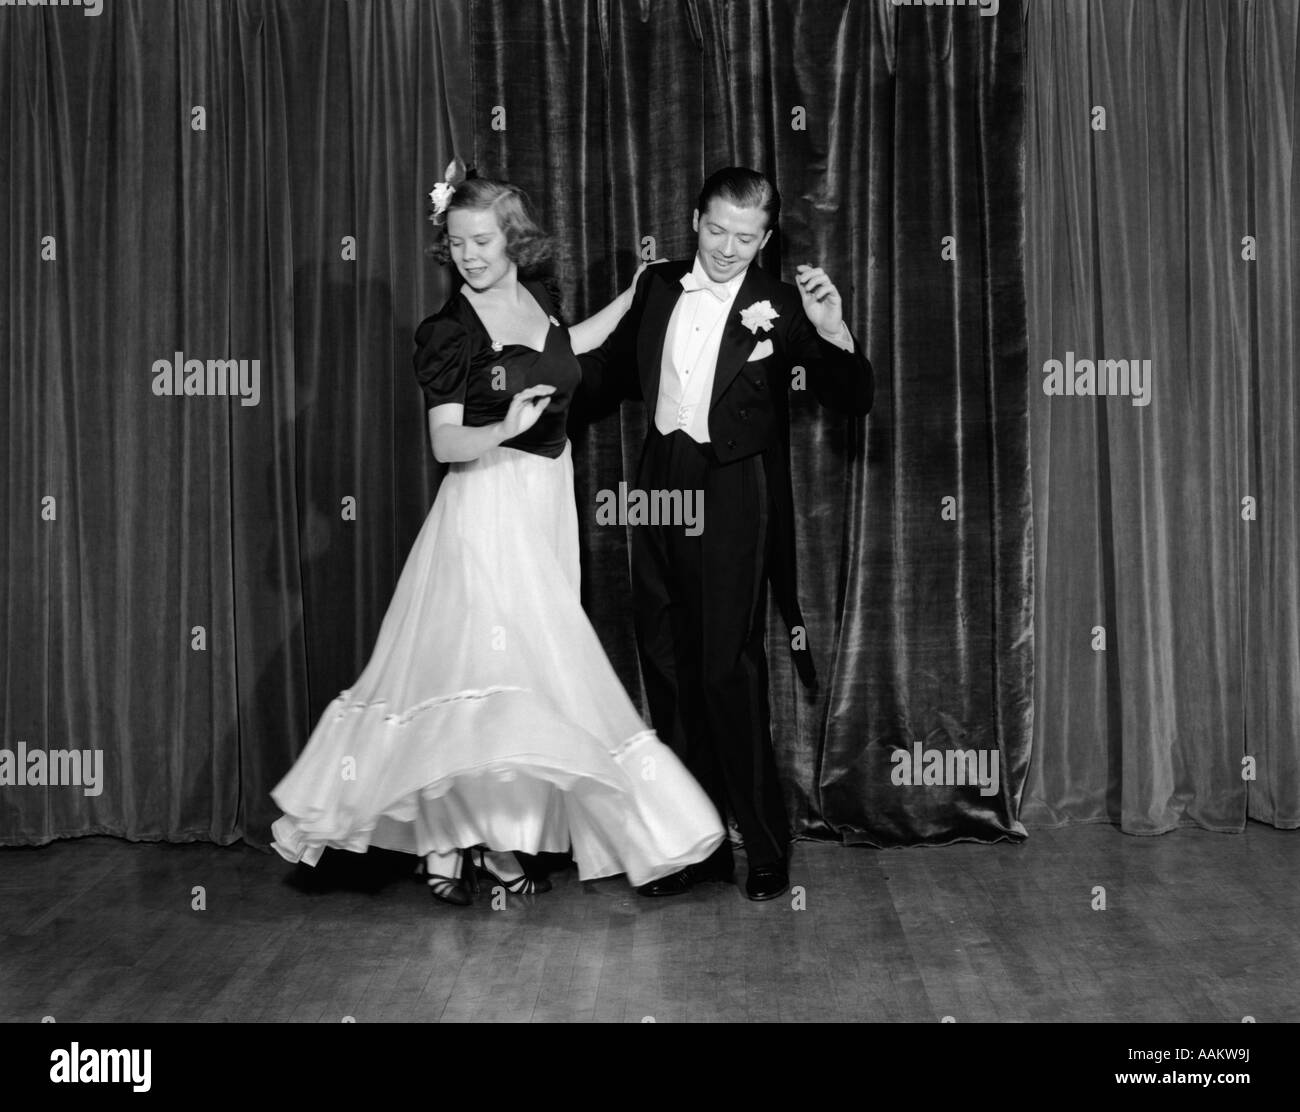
[{"x": 478, "y": 247}]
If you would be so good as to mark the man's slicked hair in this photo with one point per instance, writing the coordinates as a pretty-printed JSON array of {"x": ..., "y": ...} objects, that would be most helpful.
[{"x": 744, "y": 188}]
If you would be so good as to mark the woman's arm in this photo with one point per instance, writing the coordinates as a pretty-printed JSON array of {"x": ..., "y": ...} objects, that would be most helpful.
[
  {"x": 592, "y": 332},
  {"x": 452, "y": 442}
]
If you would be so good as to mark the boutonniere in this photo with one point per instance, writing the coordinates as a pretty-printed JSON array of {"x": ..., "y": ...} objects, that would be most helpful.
[{"x": 759, "y": 315}]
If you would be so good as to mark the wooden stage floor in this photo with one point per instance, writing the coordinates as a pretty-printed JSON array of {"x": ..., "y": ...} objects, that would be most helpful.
[{"x": 1198, "y": 927}]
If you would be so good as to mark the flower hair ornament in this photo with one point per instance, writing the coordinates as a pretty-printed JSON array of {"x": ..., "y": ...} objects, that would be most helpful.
[{"x": 442, "y": 191}]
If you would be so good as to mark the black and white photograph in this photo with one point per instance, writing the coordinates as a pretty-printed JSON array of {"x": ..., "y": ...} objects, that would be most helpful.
[{"x": 734, "y": 512}]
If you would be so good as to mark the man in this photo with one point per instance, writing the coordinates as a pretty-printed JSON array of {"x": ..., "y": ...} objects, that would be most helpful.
[{"x": 712, "y": 346}]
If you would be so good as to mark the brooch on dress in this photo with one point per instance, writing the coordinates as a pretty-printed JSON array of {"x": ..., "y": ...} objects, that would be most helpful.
[{"x": 496, "y": 345}]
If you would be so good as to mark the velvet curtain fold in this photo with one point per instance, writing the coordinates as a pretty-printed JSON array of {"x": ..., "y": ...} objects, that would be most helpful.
[
  {"x": 1163, "y": 229},
  {"x": 894, "y": 135},
  {"x": 189, "y": 580}
]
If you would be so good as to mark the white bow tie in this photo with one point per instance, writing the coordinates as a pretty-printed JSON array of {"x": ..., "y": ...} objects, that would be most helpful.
[{"x": 691, "y": 284}]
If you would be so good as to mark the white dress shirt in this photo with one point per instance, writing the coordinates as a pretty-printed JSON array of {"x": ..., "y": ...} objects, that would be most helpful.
[{"x": 691, "y": 352}]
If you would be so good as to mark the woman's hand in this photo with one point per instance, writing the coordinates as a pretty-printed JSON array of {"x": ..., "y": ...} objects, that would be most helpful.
[
  {"x": 637, "y": 276},
  {"x": 525, "y": 408},
  {"x": 589, "y": 334}
]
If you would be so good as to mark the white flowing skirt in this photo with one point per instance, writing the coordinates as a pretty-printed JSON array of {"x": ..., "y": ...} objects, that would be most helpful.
[{"x": 488, "y": 713}]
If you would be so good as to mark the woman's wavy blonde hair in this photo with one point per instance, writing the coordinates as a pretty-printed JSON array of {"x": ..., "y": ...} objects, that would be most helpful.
[{"x": 526, "y": 244}]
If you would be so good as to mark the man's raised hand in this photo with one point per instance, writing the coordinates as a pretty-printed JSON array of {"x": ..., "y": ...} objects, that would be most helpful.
[{"x": 821, "y": 300}]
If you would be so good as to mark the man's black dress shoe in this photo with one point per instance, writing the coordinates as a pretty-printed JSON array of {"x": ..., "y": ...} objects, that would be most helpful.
[
  {"x": 766, "y": 882},
  {"x": 674, "y": 884},
  {"x": 710, "y": 869}
]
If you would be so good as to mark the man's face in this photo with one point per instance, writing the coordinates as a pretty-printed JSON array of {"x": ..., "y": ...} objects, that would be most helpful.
[{"x": 729, "y": 238}]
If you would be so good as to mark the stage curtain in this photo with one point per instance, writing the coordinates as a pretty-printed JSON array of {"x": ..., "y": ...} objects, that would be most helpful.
[
  {"x": 1163, "y": 225},
  {"x": 188, "y": 581},
  {"x": 894, "y": 134}
]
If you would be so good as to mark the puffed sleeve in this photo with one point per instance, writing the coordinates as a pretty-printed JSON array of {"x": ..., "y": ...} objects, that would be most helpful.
[{"x": 442, "y": 357}]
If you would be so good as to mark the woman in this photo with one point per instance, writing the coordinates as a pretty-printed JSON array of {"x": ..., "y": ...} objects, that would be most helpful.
[{"x": 488, "y": 718}]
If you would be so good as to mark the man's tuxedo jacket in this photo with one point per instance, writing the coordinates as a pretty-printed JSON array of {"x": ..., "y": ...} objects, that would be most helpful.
[{"x": 749, "y": 410}]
